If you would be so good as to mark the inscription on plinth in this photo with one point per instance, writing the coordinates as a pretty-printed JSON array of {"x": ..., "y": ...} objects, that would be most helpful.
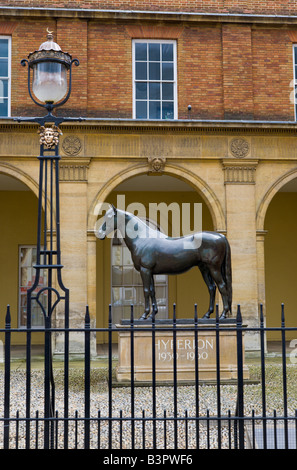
[{"x": 185, "y": 347}]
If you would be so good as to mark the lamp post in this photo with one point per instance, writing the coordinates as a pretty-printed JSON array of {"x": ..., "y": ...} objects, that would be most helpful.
[{"x": 50, "y": 71}]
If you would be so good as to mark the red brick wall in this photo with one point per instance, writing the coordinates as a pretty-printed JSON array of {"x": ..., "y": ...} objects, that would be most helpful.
[
  {"x": 272, "y": 74},
  {"x": 272, "y": 7},
  {"x": 110, "y": 71},
  {"x": 232, "y": 71},
  {"x": 237, "y": 71},
  {"x": 200, "y": 73}
]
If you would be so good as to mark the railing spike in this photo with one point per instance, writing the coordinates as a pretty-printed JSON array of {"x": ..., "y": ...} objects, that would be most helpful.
[
  {"x": 174, "y": 313},
  {"x": 283, "y": 314},
  {"x": 109, "y": 315},
  {"x": 238, "y": 316},
  {"x": 87, "y": 316},
  {"x": 8, "y": 316},
  {"x": 195, "y": 313},
  {"x": 261, "y": 314}
]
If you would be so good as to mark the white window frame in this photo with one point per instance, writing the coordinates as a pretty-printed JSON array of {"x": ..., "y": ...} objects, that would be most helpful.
[
  {"x": 156, "y": 41},
  {"x": 8, "y": 77}
]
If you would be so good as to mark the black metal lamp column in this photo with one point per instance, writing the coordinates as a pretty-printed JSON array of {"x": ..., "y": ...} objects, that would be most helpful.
[{"x": 50, "y": 88}]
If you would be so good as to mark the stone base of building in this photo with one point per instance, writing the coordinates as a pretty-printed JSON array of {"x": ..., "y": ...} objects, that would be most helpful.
[{"x": 186, "y": 341}]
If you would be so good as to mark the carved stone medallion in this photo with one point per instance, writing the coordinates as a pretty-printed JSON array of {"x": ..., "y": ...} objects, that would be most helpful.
[
  {"x": 156, "y": 164},
  {"x": 239, "y": 148},
  {"x": 49, "y": 136},
  {"x": 72, "y": 145}
]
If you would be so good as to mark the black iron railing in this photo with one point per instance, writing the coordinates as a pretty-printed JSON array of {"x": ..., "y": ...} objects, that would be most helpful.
[{"x": 222, "y": 420}]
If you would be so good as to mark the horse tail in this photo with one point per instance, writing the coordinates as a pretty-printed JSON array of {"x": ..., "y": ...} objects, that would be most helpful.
[{"x": 227, "y": 273}]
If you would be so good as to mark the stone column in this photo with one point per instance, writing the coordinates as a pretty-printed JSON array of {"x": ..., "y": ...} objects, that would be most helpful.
[
  {"x": 74, "y": 252},
  {"x": 241, "y": 233}
]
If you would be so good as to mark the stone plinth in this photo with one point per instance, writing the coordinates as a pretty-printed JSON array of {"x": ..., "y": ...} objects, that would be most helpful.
[{"x": 186, "y": 343}]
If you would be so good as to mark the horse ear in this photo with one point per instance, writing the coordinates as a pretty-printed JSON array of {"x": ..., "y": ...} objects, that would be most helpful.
[{"x": 114, "y": 208}]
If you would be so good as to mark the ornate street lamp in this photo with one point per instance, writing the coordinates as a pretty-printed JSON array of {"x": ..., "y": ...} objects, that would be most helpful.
[
  {"x": 50, "y": 66},
  {"x": 50, "y": 88}
]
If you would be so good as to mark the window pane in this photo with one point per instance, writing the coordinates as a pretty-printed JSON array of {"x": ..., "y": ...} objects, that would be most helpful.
[
  {"x": 129, "y": 295},
  {"x": 154, "y": 91},
  {"x": 127, "y": 259},
  {"x": 117, "y": 296},
  {"x": 141, "y": 51},
  {"x": 140, "y": 71},
  {"x": 167, "y": 91},
  {"x": 4, "y": 107},
  {"x": 136, "y": 278},
  {"x": 167, "y": 110},
  {"x": 116, "y": 314},
  {"x": 117, "y": 255},
  {"x": 3, "y": 47},
  {"x": 141, "y": 91},
  {"x": 167, "y": 71},
  {"x": 154, "y": 52},
  {"x": 3, "y": 67},
  {"x": 161, "y": 295},
  {"x": 155, "y": 112},
  {"x": 154, "y": 71},
  {"x": 127, "y": 276},
  {"x": 117, "y": 275},
  {"x": 3, "y": 88},
  {"x": 167, "y": 52},
  {"x": 141, "y": 110},
  {"x": 27, "y": 278},
  {"x": 154, "y": 67},
  {"x": 139, "y": 295}
]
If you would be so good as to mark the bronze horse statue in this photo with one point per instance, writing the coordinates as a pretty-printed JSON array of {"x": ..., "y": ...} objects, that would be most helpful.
[{"x": 155, "y": 253}]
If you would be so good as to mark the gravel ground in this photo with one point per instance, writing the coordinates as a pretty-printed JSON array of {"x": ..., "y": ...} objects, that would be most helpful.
[{"x": 121, "y": 407}]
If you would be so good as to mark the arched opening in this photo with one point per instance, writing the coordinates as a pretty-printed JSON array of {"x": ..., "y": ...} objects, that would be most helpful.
[
  {"x": 18, "y": 216},
  {"x": 281, "y": 258},
  {"x": 184, "y": 289}
]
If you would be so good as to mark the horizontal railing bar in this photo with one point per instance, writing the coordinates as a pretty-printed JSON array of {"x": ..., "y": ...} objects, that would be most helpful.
[
  {"x": 227, "y": 418},
  {"x": 156, "y": 328}
]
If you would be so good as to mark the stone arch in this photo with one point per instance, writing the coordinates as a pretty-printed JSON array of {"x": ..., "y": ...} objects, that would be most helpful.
[
  {"x": 185, "y": 175},
  {"x": 20, "y": 175},
  {"x": 266, "y": 200}
]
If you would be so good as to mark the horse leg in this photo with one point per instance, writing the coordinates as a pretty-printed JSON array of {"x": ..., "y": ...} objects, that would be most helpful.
[
  {"x": 211, "y": 289},
  {"x": 146, "y": 277},
  {"x": 217, "y": 276},
  {"x": 153, "y": 296}
]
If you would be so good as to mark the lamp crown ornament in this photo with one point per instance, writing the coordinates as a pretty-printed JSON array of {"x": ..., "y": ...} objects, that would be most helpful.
[{"x": 49, "y": 44}]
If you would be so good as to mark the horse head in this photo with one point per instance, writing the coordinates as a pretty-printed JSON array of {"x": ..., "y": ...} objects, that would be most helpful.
[{"x": 109, "y": 223}]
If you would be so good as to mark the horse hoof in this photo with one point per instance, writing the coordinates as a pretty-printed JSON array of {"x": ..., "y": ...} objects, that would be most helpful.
[
  {"x": 143, "y": 317},
  {"x": 206, "y": 316}
]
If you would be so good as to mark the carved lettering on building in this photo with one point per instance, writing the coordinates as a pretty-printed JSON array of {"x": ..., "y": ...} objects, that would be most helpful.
[{"x": 185, "y": 349}]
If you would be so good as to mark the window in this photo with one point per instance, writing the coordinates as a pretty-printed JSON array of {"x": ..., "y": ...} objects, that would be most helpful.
[
  {"x": 127, "y": 285},
  {"x": 4, "y": 76},
  {"x": 154, "y": 80},
  {"x": 27, "y": 259}
]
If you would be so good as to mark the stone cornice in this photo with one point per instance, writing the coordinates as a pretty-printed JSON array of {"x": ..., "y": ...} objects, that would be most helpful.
[
  {"x": 174, "y": 16},
  {"x": 131, "y": 126}
]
